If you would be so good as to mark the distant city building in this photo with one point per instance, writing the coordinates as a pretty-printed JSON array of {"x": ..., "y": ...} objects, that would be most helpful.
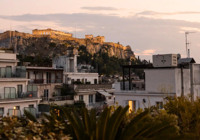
[{"x": 167, "y": 77}]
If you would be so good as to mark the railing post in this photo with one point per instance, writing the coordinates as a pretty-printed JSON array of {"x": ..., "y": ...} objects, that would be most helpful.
[
  {"x": 123, "y": 79},
  {"x": 129, "y": 72}
]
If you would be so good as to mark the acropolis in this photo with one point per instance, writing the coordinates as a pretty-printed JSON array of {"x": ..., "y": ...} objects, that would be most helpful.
[{"x": 50, "y": 32}]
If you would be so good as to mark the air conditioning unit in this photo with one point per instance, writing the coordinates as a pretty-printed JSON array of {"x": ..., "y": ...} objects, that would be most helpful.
[{"x": 165, "y": 60}]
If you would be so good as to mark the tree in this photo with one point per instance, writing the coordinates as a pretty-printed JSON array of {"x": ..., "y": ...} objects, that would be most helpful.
[{"x": 188, "y": 114}]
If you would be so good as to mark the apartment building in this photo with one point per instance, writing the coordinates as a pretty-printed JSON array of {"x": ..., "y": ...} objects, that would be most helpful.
[{"x": 15, "y": 93}]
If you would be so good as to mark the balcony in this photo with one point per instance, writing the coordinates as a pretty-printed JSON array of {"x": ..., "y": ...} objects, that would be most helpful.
[
  {"x": 45, "y": 81},
  {"x": 8, "y": 96},
  {"x": 87, "y": 71},
  {"x": 17, "y": 112},
  {"x": 101, "y": 104},
  {"x": 6, "y": 72},
  {"x": 134, "y": 86},
  {"x": 92, "y": 86},
  {"x": 57, "y": 98},
  {"x": 83, "y": 70}
]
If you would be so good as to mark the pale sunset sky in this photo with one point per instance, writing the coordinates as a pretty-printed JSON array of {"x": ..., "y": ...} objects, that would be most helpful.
[{"x": 148, "y": 26}]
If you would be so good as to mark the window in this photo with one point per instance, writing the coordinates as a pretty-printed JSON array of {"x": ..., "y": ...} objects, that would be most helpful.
[
  {"x": 16, "y": 107},
  {"x": 95, "y": 81},
  {"x": 32, "y": 88},
  {"x": 46, "y": 94},
  {"x": 31, "y": 106},
  {"x": 43, "y": 108},
  {"x": 9, "y": 92},
  {"x": 159, "y": 105},
  {"x": 78, "y": 80},
  {"x": 80, "y": 97},
  {"x": 133, "y": 106},
  {"x": 19, "y": 89},
  {"x": 1, "y": 110},
  {"x": 82, "y": 81},
  {"x": 90, "y": 98}
]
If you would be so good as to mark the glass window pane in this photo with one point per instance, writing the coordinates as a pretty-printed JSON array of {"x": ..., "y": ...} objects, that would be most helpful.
[
  {"x": 34, "y": 88},
  {"x": 2, "y": 74},
  {"x": 29, "y": 87},
  {"x": 7, "y": 92},
  {"x": 12, "y": 93},
  {"x": 8, "y": 72}
]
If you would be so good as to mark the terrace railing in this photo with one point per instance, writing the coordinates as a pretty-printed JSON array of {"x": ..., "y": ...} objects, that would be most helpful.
[
  {"x": 57, "y": 98},
  {"x": 45, "y": 81},
  {"x": 4, "y": 96},
  {"x": 92, "y": 86}
]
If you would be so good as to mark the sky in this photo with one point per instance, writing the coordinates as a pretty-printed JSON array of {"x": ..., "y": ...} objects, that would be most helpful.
[{"x": 148, "y": 26}]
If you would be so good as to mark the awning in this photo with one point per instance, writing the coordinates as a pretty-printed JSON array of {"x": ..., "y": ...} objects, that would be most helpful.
[{"x": 106, "y": 94}]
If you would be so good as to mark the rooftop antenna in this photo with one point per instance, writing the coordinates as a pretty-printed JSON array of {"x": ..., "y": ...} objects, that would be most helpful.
[
  {"x": 10, "y": 34},
  {"x": 187, "y": 43}
]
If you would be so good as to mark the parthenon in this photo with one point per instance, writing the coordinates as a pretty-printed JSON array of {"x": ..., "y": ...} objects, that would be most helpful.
[{"x": 50, "y": 32}]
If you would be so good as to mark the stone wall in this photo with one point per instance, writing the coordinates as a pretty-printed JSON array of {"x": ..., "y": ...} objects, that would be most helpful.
[
  {"x": 9, "y": 34},
  {"x": 50, "y": 32},
  {"x": 99, "y": 39}
]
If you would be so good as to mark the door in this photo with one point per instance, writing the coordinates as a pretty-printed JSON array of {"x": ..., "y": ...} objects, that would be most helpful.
[
  {"x": 46, "y": 94},
  {"x": 19, "y": 90},
  {"x": 48, "y": 75},
  {"x": 8, "y": 71},
  {"x": 95, "y": 81}
]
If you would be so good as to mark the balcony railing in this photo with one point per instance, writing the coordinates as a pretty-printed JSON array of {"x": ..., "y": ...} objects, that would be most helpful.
[
  {"x": 45, "y": 81},
  {"x": 17, "y": 95},
  {"x": 83, "y": 70},
  {"x": 87, "y": 71},
  {"x": 101, "y": 104},
  {"x": 134, "y": 86},
  {"x": 93, "y": 86},
  {"x": 6, "y": 72},
  {"x": 12, "y": 75},
  {"x": 57, "y": 98}
]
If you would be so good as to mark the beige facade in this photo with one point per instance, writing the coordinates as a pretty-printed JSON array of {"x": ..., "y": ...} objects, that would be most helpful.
[{"x": 15, "y": 95}]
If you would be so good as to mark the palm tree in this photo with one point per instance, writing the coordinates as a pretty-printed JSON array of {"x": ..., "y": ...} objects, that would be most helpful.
[{"x": 109, "y": 125}]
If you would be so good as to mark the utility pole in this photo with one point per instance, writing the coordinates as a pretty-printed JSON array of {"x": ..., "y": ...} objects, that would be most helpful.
[{"x": 187, "y": 43}]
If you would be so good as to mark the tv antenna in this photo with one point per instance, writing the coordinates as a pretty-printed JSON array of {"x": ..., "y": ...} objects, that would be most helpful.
[{"x": 187, "y": 43}]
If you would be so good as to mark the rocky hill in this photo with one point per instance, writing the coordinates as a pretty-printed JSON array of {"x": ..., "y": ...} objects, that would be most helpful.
[{"x": 55, "y": 45}]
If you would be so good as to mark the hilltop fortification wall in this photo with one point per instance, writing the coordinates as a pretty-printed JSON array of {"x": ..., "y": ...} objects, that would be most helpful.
[{"x": 50, "y": 32}]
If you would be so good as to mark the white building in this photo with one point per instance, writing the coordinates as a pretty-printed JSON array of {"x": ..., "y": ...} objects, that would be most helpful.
[
  {"x": 15, "y": 93},
  {"x": 161, "y": 81},
  {"x": 84, "y": 74},
  {"x": 71, "y": 71}
]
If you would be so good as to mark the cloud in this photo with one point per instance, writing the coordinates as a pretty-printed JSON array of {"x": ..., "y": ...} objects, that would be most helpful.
[
  {"x": 190, "y": 29},
  {"x": 144, "y": 35},
  {"x": 153, "y": 13},
  {"x": 146, "y": 52},
  {"x": 99, "y": 8}
]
